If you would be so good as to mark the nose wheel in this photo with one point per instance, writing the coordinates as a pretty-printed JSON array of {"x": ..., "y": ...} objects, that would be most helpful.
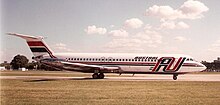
[
  {"x": 175, "y": 76},
  {"x": 98, "y": 76}
]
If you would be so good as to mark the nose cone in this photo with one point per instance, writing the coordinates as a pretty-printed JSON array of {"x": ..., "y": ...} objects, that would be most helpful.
[{"x": 203, "y": 67}]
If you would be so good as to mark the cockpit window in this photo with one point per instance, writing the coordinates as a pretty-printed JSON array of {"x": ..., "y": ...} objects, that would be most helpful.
[{"x": 190, "y": 59}]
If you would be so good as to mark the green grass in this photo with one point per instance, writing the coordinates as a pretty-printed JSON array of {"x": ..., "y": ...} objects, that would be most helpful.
[{"x": 99, "y": 92}]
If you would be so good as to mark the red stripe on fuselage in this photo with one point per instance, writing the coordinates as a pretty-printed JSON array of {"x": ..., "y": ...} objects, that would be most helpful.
[{"x": 115, "y": 63}]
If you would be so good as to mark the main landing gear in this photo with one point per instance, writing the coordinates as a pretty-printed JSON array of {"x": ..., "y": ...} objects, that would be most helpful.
[
  {"x": 98, "y": 76},
  {"x": 175, "y": 76}
]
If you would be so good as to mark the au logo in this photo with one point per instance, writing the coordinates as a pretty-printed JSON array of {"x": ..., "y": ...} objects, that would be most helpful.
[{"x": 168, "y": 64}]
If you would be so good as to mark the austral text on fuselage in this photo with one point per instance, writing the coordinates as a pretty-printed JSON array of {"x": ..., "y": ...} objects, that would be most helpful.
[{"x": 145, "y": 58}]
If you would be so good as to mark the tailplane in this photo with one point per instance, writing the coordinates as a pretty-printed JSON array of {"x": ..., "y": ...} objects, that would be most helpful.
[{"x": 37, "y": 45}]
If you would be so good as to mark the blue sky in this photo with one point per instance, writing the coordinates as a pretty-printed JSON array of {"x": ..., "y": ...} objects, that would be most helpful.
[{"x": 114, "y": 26}]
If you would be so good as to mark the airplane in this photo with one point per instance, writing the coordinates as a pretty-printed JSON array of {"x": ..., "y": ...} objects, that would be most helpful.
[{"x": 122, "y": 63}]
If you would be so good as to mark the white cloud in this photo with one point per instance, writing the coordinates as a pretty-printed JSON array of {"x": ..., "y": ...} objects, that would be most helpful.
[
  {"x": 61, "y": 47},
  {"x": 215, "y": 47},
  {"x": 191, "y": 9},
  {"x": 124, "y": 45},
  {"x": 94, "y": 30},
  {"x": 168, "y": 25},
  {"x": 137, "y": 43},
  {"x": 147, "y": 27},
  {"x": 216, "y": 44},
  {"x": 171, "y": 49},
  {"x": 112, "y": 26},
  {"x": 173, "y": 25},
  {"x": 182, "y": 25},
  {"x": 124, "y": 42},
  {"x": 152, "y": 38},
  {"x": 118, "y": 33},
  {"x": 164, "y": 12},
  {"x": 133, "y": 23},
  {"x": 180, "y": 38}
]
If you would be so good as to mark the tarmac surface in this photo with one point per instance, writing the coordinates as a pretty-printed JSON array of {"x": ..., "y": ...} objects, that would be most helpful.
[{"x": 139, "y": 77}]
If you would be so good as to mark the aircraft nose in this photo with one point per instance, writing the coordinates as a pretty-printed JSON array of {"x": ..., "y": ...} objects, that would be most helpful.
[{"x": 203, "y": 67}]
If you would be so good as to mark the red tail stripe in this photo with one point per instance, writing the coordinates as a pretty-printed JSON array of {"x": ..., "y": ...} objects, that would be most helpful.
[
  {"x": 35, "y": 43},
  {"x": 40, "y": 43}
]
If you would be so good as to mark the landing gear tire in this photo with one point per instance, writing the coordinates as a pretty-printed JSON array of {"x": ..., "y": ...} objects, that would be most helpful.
[
  {"x": 101, "y": 76},
  {"x": 95, "y": 76},
  {"x": 98, "y": 76},
  {"x": 175, "y": 77}
]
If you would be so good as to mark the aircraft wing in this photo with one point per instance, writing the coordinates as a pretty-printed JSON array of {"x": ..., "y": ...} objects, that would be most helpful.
[{"x": 89, "y": 68}]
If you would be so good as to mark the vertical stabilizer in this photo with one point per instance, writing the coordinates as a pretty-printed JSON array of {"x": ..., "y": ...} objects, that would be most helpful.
[{"x": 37, "y": 45}]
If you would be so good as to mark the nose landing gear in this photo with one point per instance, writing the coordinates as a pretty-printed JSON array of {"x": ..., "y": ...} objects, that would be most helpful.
[{"x": 175, "y": 76}]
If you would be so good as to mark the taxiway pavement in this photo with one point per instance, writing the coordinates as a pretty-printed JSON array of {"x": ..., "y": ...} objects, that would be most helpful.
[{"x": 147, "y": 77}]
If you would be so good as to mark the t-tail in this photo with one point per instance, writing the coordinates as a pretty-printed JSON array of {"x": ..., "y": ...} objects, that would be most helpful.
[{"x": 37, "y": 45}]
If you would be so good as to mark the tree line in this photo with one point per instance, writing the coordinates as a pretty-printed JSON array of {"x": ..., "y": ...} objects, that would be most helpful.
[
  {"x": 212, "y": 66},
  {"x": 21, "y": 61}
]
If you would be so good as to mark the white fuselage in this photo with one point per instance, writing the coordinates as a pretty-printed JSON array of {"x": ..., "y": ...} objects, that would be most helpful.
[{"x": 137, "y": 63}]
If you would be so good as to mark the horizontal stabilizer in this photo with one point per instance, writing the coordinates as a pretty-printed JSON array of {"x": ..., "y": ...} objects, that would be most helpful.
[
  {"x": 36, "y": 43},
  {"x": 27, "y": 37}
]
